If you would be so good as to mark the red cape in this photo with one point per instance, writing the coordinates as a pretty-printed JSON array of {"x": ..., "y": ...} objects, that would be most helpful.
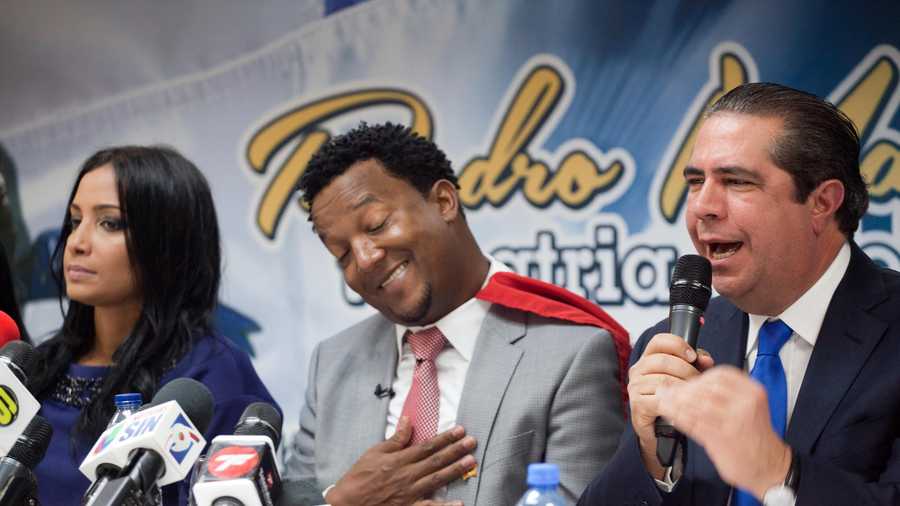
[{"x": 534, "y": 296}]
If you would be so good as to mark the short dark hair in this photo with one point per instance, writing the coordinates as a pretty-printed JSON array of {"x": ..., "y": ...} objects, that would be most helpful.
[
  {"x": 401, "y": 151},
  {"x": 172, "y": 238},
  {"x": 818, "y": 142}
]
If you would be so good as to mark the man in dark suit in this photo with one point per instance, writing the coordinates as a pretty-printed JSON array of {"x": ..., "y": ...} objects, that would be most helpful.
[{"x": 775, "y": 195}]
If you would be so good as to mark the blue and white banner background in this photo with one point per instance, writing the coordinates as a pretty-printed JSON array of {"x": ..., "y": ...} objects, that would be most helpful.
[{"x": 568, "y": 122}]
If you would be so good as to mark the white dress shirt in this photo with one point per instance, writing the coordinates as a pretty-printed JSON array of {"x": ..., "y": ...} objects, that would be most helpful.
[
  {"x": 804, "y": 317},
  {"x": 461, "y": 327}
]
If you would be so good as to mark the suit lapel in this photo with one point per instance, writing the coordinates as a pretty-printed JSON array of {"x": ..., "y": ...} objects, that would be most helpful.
[
  {"x": 494, "y": 361},
  {"x": 848, "y": 336},
  {"x": 378, "y": 366},
  {"x": 725, "y": 337}
]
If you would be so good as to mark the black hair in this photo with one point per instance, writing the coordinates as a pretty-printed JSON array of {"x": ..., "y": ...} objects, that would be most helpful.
[
  {"x": 817, "y": 142},
  {"x": 15, "y": 266},
  {"x": 172, "y": 239},
  {"x": 404, "y": 153}
]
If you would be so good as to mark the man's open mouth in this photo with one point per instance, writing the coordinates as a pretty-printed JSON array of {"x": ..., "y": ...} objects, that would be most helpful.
[
  {"x": 721, "y": 250},
  {"x": 394, "y": 275}
]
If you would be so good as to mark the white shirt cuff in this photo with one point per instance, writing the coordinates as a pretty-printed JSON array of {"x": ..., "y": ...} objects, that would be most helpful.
[
  {"x": 667, "y": 483},
  {"x": 325, "y": 493}
]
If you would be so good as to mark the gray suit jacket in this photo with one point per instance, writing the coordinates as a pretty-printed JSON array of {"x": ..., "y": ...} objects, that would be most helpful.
[{"x": 537, "y": 390}]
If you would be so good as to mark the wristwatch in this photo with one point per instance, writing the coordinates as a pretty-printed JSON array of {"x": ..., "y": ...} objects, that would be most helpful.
[{"x": 785, "y": 494}]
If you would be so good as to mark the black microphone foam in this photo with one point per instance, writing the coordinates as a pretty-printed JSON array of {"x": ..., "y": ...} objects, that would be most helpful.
[
  {"x": 260, "y": 419},
  {"x": 31, "y": 446},
  {"x": 194, "y": 398},
  {"x": 691, "y": 281},
  {"x": 21, "y": 355}
]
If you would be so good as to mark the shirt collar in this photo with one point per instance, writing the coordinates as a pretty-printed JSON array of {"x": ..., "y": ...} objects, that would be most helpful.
[
  {"x": 462, "y": 325},
  {"x": 806, "y": 314}
]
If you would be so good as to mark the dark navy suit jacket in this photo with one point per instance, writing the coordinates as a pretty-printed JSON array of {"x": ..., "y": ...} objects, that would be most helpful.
[{"x": 845, "y": 424}]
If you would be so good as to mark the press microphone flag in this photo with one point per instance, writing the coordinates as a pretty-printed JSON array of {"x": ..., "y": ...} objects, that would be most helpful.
[
  {"x": 241, "y": 469},
  {"x": 17, "y": 405},
  {"x": 166, "y": 429}
]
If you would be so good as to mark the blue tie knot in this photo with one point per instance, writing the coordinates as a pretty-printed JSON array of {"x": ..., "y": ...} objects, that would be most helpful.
[{"x": 772, "y": 337}]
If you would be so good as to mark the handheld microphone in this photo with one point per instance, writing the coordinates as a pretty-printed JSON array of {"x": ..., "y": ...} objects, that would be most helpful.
[
  {"x": 9, "y": 331},
  {"x": 382, "y": 392},
  {"x": 155, "y": 446},
  {"x": 17, "y": 482},
  {"x": 240, "y": 470},
  {"x": 688, "y": 297},
  {"x": 17, "y": 405}
]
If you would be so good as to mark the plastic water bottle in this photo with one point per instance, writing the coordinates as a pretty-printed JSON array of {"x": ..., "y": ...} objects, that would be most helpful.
[
  {"x": 126, "y": 405},
  {"x": 543, "y": 480}
]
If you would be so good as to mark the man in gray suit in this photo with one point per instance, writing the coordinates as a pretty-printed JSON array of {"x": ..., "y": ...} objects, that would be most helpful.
[{"x": 442, "y": 397}]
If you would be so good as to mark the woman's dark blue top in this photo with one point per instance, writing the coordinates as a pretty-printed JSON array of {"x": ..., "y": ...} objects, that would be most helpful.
[{"x": 213, "y": 361}]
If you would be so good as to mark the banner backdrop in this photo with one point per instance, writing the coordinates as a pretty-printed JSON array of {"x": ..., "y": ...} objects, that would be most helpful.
[{"x": 568, "y": 123}]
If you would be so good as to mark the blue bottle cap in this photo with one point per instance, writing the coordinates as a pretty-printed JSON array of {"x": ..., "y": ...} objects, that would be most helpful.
[
  {"x": 130, "y": 398},
  {"x": 543, "y": 475}
]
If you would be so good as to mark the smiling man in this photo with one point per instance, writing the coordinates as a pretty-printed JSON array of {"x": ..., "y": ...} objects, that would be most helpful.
[
  {"x": 794, "y": 397},
  {"x": 453, "y": 378}
]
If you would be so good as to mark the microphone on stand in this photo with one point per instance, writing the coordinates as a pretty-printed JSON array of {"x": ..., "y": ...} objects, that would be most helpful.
[
  {"x": 689, "y": 295},
  {"x": 157, "y": 445},
  {"x": 240, "y": 470},
  {"x": 17, "y": 404},
  {"x": 17, "y": 482}
]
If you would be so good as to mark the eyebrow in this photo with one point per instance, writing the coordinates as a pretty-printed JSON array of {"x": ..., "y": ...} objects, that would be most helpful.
[
  {"x": 691, "y": 171},
  {"x": 367, "y": 199},
  {"x": 98, "y": 207},
  {"x": 364, "y": 200},
  {"x": 730, "y": 170}
]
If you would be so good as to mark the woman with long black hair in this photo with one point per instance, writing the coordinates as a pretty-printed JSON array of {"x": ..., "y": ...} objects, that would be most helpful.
[{"x": 139, "y": 259}]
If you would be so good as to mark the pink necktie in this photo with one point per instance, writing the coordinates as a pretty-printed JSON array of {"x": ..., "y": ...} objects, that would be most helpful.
[{"x": 423, "y": 403}]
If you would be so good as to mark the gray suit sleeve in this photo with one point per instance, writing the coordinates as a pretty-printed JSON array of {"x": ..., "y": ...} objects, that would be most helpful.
[
  {"x": 300, "y": 460},
  {"x": 587, "y": 416}
]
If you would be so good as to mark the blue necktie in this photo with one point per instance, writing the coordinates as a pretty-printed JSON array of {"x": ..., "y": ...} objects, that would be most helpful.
[{"x": 769, "y": 371}]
